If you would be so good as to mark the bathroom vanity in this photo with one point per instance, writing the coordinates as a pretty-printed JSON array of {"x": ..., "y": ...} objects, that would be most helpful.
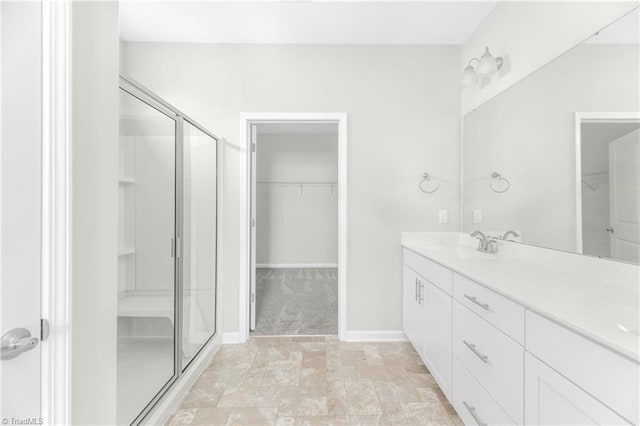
[{"x": 526, "y": 335}]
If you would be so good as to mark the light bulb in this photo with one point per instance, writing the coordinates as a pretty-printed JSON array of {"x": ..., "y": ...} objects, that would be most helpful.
[
  {"x": 488, "y": 64},
  {"x": 469, "y": 77}
]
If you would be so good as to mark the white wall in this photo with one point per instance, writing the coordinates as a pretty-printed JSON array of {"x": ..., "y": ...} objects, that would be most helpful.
[
  {"x": 155, "y": 208},
  {"x": 403, "y": 111},
  {"x": 297, "y": 226},
  {"x": 527, "y": 134},
  {"x": 95, "y": 211},
  {"x": 529, "y": 34}
]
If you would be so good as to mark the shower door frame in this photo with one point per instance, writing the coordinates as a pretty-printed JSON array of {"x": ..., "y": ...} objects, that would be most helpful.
[{"x": 146, "y": 96}]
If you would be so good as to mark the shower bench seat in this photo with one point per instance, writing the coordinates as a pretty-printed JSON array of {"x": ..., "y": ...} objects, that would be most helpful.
[{"x": 146, "y": 306}]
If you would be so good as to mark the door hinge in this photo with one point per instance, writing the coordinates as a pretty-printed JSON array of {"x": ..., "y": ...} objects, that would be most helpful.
[
  {"x": 45, "y": 329},
  {"x": 253, "y": 147},
  {"x": 253, "y": 297},
  {"x": 253, "y": 222}
]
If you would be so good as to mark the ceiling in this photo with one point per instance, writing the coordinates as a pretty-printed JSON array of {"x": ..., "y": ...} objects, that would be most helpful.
[{"x": 302, "y": 21}]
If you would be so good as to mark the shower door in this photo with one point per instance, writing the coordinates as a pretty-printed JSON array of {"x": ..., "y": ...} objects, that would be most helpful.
[
  {"x": 199, "y": 222},
  {"x": 147, "y": 267},
  {"x": 167, "y": 262}
]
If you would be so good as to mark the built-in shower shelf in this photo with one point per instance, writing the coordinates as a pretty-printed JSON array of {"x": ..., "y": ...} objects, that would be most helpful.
[
  {"x": 146, "y": 306},
  {"x": 126, "y": 181},
  {"x": 126, "y": 251}
]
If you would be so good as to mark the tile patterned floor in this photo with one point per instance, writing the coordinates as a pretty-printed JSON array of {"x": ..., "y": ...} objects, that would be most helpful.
[{"x": 315, "y": 380}]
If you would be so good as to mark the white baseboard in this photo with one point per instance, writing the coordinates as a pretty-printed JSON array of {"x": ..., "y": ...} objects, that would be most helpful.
[
  {"x": 296, "y": 265},
  {"x": 174, "y": 396},
  {"x": 376, "y": 336},
  {"x": 231, "y": 338}
]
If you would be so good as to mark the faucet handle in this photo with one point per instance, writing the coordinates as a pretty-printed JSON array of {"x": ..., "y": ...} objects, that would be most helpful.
[{"x": 492, "y": 245}]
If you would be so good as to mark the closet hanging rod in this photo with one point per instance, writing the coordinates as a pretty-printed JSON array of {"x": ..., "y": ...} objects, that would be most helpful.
[{"x": 296, "y": 183}]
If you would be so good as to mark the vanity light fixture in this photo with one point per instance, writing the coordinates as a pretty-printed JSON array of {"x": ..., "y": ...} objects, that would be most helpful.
[
  {"x": 469, "y": 76},
  {"x": 487, "y": 66}
]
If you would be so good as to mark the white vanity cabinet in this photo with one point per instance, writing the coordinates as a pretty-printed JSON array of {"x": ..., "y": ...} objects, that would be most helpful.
[
  {"x": 413, "y": 311},
  {"x": 551, "y": 399},
  {"x": 499, "y": 362},
  {"x": 427, "y": 315}
]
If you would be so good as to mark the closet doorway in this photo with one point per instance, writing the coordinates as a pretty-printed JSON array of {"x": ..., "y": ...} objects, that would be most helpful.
[{"x": 295, "y": 227}]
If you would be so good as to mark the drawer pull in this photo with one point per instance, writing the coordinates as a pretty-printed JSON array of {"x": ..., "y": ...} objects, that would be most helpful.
[
  {"x": 471, "y": 346},
  {"x": 416, "y": 290},
  {"x": 474, "y": 300},
  {"x": 472, "y": 411}
]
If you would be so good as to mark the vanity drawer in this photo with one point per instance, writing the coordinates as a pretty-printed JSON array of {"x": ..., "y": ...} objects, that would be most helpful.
[
  {"x": 606, "y": 375},
  {"x": 440, "y": 276},
  {"x": 493, "y": 359},
  {"x": 473, "y": 404},
  {"x": 503, "y": 313}
]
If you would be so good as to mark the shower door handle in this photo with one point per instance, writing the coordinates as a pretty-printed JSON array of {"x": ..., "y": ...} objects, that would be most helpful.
[{"x": 175, "y": 248}]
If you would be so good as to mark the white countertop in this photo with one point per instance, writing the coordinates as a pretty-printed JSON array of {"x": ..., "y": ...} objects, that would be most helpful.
[{"x": 597, "y": 298}]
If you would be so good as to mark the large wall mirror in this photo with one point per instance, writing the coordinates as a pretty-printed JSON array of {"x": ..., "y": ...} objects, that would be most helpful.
[{"x": 555, "y": 158}]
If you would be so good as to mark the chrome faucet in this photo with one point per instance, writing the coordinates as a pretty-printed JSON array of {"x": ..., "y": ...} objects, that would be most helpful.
[
  {"x": 485, "y": 244},
  {"x": 508, "y": 233}
]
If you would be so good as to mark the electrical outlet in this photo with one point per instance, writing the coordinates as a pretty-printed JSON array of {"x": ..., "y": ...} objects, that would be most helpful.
[
  {"x": 443, "y": 216},
  {"x": 477, "y": 216}
]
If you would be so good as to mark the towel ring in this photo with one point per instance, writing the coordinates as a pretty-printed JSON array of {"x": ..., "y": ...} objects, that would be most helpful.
[
  {"x": 426, "y": 178},
  {"x": 499, "y": 177}
]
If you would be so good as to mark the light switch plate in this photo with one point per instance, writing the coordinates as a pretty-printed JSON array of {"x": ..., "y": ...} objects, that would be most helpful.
[
  {"x": 443, "y": 216},
  {"x": 477, "y": 216}
]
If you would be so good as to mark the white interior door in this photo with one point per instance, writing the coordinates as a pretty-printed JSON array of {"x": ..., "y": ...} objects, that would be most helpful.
[
  {"x": 624, "y": 166},
  {"x": 20, "y": 210},
  {"x": 252, "y": 295}
]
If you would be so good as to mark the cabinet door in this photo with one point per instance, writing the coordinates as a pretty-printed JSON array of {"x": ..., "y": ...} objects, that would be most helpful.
[
  {"x": 550, "y": 399},
  {"x": 437, "y": 334},
  {"x": 412, "y": 308}
]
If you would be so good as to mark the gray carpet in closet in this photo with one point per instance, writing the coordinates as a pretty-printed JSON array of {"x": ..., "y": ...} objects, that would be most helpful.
[{"x": 296, "y": 301}]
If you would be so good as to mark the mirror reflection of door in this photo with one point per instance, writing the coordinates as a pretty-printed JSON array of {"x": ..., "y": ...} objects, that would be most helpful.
[{"x": 611, "y": 189}]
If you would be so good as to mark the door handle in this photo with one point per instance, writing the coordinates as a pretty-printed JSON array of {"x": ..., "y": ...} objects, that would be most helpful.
[
  {"x": 473, "y": 349},
  {"x": 475, "y": 300},
  {"x": 472, "y": 411},
  {"x": 16, "y": 341},
  {"x": 609, "y": 230}
]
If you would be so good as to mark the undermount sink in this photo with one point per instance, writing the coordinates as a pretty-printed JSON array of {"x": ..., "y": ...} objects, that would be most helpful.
[{"x": 468, "y": 253}]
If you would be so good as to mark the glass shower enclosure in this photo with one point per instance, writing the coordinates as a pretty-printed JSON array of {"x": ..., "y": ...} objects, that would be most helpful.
[{"x": 167, "y": 257}]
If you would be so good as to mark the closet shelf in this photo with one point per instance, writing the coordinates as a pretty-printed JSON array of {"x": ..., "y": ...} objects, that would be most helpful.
[
  {"x": 126, "y": 251},
  {"x": 595, "y": 180},
  {"x": 301, "y": 184},
  {"x": 296, "y": 183}
]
